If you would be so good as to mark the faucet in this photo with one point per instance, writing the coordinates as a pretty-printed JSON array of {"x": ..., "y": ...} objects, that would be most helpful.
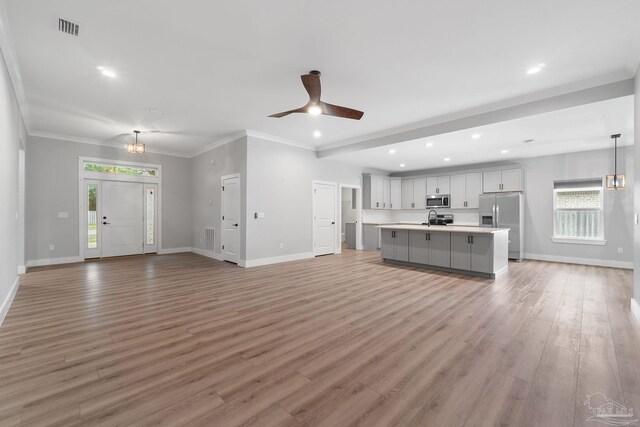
[{"x": 429, "y": 217}]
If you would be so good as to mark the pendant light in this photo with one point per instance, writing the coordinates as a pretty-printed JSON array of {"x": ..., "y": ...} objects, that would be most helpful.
[
  {"x": 615, "y": 181},
  {"x": 135, "y": 147}
]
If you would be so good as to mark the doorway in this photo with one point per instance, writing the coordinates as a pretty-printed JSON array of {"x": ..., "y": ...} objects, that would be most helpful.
[
  {"x": 231, "y": 218},
  {"x": 324, "y": 218},
  {"x": 119, "y": 208},
  {"x": 350, "y": 217}
]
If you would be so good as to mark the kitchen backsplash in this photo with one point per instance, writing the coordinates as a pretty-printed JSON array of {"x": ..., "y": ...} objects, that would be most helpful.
[{"x": 459, "y": 216}]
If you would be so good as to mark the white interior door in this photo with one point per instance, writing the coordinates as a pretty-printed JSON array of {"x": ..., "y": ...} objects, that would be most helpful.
[
  {"x": 324, "y": 218},
  {"x": 122, "y": 218},
  {"x": 231, "y": 218}
]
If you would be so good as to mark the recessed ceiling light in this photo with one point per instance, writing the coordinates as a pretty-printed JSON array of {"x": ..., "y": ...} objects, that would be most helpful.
[
  {"x": 317, "y": 134},
  {"x": 402, "y": 165},
  {"x": 314, "y": 110},
  {"x": 446, "y": 159},
  {"x": 392, "y": 151},
  {"x": 536, "y": 69},
  {"x": 106, "y": 71},
  {"x": 429, "y": 144},
  {"x": 504, "y": 151},
  {"x": 476, "y": 136}
]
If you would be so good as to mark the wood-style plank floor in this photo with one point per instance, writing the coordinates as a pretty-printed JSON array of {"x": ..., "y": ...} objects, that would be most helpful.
[{"x": 337, "y": 340}]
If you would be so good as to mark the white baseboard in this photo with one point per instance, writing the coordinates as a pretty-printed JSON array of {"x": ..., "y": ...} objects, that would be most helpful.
[
  {"x": 275, "y": 260},
  {"x": 22, "y": 269},
  {"x": 174, "y": 250},
  {"x": 208, "y": 254},
  {"x": 584, "y": 261},
  {"x": 53, "y": 261},
  {"x": 4, "y": 308},
  {"x": 635, "y": 309}
]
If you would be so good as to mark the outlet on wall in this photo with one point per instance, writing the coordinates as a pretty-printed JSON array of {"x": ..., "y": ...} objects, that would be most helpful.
[
  {"x": 281, "y": 245},
  {"x": 52, "y": 247},
  {"x": 620, "y": 250}
]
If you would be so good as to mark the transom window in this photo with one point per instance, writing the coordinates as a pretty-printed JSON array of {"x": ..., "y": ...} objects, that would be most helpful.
[
  {"x": 123, "y": 170},
  {"x": 578, "y": 210}
]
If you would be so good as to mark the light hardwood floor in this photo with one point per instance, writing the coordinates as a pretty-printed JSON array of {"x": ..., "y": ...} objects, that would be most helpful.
[{"x": 337, "y": 340}]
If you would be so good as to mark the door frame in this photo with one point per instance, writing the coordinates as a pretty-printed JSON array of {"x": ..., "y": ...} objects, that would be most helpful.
[
  {"x": 241, "y": 218},
  {"x": 358, "y": 188},
  {"x": 336, "y": 237},
  {"x": 105, "y": 176}
]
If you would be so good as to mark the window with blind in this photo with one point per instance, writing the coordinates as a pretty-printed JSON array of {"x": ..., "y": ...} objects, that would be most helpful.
[{"x": 578, "y": 210}]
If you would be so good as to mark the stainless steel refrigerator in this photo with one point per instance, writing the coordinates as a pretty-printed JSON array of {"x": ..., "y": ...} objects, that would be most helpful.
[{"x": 505, "y": 210}]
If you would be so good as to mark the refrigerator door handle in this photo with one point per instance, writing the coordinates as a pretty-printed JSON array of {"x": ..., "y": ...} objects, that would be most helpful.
[{"x": 497, "y": 216}]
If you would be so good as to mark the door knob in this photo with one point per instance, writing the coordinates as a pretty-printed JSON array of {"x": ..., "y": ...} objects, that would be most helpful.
[
  {"x": 104, "y": 217},
  {"x": 235, "y": 225},
  {"x": 105, "y": 222},
  {"x": 333, "y": 222}
]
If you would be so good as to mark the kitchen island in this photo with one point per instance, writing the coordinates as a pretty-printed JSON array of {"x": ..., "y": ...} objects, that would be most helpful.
[{"x": 478, "y": 251}]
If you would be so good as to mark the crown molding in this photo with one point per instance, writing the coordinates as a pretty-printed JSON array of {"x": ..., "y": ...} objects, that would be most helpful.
[
  {"x": 279, "y": 140},
  {"x": 219, "y": 143},
  {"x": 91, "y": 141}
]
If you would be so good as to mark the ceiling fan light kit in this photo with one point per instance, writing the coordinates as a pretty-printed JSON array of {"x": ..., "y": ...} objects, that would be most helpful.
[{"x": 315, "y": 106}]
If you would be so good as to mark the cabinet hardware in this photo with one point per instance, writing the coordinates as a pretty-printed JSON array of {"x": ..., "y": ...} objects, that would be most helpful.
[{"x": 393, "y": 234}]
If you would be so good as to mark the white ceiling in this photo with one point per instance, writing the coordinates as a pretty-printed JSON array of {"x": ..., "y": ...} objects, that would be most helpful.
[
  {"x": 583, "y": 128},
  {"x": 216, "y": 67}
]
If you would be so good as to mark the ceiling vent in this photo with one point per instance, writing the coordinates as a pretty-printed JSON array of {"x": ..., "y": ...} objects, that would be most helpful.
[
  {"x": 68, "y": 27},
  {"x": 529, "y": 141}
]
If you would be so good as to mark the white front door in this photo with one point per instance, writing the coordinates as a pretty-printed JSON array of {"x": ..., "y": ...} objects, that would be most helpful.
[
  {"x": 231, "y": 218},
  {"x": 324, "y": 218},
  {"x": 122, "y": 218}
]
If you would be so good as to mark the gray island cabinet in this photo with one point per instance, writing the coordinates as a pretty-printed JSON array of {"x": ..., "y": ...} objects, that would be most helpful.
[{"x": 477, "y": 251}]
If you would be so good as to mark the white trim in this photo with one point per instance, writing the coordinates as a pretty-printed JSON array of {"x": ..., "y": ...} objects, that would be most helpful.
[
  {"x": 54, "y": 261},
  {"x": 577, "y": 241},
  {"x": 279, "y": 140},
  {"x": 208, "y": 254},
  {"x": 275, "y": 260},
  {"x": 6, "y": 304},
  {"x": 635, "y": 309},
  {"x": 91, "y": 141},
  {"x": 174, "y": 250},
  {"x": 583, "y": 261},
  {"x": 22, "y": 269},
  {"x": 219, "y": 143}
]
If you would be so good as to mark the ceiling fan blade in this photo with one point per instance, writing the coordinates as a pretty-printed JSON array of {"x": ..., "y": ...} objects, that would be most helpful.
[
  {"x": 311, "y": 83},
  {"x": 338, "y": 111},
  {"x": 286, "y": 113}
]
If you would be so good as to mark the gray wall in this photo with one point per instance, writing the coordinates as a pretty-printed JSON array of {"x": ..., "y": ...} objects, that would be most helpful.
[
  {"x": 279, "y": 183},
  {"x": 52, "y": 187},
  {"x": 11, "y": 132},
  {"x": 206, "y": 185},
  {"x": 540, "y": 172},
  {"x": 637, "y": 189}
]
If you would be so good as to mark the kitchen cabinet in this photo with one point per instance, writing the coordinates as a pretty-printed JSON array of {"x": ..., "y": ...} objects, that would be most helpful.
[
  {"x": 502, "y": 181},
  {"x": 396, "y": 193},
  {"x": 438, "y": 185},
  {"x": 395, "y": 245},
  {"x": 414, "y": 193},
  {"x": 472, "y": 252},
  {"x": 380, "y": 192},
  {"x": 465, "y": 190},
  {"x": 431, "y": 248}
]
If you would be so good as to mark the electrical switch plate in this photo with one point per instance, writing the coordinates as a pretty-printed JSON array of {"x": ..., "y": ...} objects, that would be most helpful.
[{"x": 63, "y": 214}]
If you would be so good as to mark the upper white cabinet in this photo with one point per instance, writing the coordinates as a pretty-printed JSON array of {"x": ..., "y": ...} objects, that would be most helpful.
[
  {"x": 465, "y": 190},
  {"x": 381, "y": 192},
  {"x": 396, "y": 193},
  {"x": 502, "y": 181},
  {"x": 414, "y": 193},
  {"x": 438, "y": 185}
]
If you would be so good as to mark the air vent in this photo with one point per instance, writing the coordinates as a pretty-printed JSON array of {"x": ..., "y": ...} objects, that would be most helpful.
[
  {"x": 529, "y": 141},
  {"x": 68, "y": 27},
  {"x": 209, "y": 238}
]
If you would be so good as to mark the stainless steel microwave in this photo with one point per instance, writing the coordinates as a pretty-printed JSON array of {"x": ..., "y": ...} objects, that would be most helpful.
[{"x": 438, "y": 201}]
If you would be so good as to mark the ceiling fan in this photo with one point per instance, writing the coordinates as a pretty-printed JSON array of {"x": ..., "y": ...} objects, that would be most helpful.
[{"x": 315, "y": 106}]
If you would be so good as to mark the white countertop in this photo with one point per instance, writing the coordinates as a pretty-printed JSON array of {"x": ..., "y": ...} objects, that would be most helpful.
[{"x": 447, "y": 228}]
